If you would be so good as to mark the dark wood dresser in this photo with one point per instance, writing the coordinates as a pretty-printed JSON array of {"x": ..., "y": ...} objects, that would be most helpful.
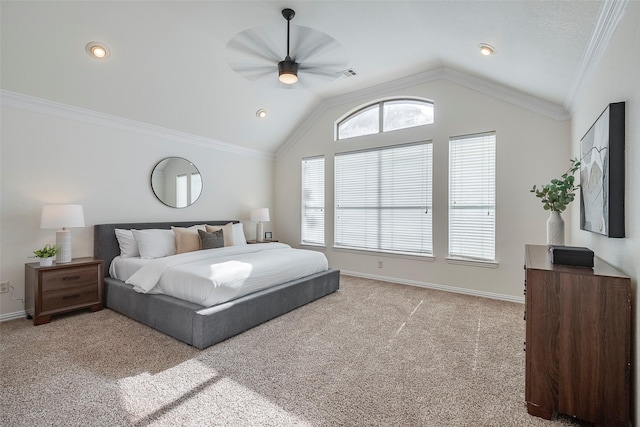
[
  {"x": 578, "y": 340},
  {"x": 63, "y": 287}
]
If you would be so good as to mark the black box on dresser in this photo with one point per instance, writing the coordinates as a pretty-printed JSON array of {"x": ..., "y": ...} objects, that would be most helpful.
[{"x": 572, "y": 255}]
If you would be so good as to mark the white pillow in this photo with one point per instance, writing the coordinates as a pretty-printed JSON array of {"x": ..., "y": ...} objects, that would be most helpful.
[
  {"x": 233, "y": 233},
  {"x": 127, "y": 243},
  {"x": 238, "y": 235},
  {"x": 155, "y": 243}
]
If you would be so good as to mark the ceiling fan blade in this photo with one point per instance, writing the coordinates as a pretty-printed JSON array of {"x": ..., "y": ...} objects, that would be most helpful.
[
  {"x": 254, "y": 43},
  {"x": 252, "y": 72},
  {"x": 331, "y": 66},
  {"x": 325, "y": 71},
  {"x": 309, "y": 43},
  {"x": 322, "y": 72}
]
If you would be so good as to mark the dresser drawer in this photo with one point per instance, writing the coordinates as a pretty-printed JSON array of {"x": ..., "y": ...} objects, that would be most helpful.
[
  {"x": 55, "y": 280},
  {"x": 68, "y": 297}
]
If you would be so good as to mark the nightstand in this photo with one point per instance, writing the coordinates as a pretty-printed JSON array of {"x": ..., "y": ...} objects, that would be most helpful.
[
  {"x": 63, "y": 287},
  {"x": 251, "y": 242}
]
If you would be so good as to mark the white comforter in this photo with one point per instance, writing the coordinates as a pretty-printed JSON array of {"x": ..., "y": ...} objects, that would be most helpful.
[{"x": 214, "y": 276}]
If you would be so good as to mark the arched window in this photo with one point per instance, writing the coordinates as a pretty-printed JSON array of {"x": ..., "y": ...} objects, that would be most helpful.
[{"x": 385, "y": 116}]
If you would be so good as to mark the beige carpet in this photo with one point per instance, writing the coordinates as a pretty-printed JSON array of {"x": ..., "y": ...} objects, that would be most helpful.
[{"x": 372, "y": 354}]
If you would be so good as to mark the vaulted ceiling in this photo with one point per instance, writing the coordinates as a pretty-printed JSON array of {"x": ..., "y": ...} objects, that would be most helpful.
[{"x": 183, "y": 65}]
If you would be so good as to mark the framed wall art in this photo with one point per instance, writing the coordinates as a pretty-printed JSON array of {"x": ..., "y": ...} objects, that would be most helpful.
[{"x": 602, "y": 174}]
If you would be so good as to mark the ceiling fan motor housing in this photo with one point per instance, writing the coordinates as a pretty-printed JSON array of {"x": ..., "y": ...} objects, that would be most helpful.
[{"x": 288, "y": 66}]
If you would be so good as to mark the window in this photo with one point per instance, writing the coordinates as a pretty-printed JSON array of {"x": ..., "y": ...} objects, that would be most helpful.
[
  {"x": 406, "y": 113},
  {"x": 312, "y": 232},
  {"x": 385, "y": 116},
  {"x": 363, "y": 122},
  {"x": 383, "y": 199},
  {"x": 472, "y": 204}
]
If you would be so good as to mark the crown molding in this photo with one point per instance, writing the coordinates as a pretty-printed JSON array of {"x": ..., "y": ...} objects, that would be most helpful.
[
  {"x": 52, "y": 108},
  {"x": 610, "y": 15},
  {"x": 383, "y": 89},
  {"x": 495, "y": 90},
  {"x": 504, "y": 93}
]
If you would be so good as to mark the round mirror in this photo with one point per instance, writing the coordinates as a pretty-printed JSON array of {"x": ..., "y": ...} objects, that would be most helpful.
[{"x": 176, "y": 182}]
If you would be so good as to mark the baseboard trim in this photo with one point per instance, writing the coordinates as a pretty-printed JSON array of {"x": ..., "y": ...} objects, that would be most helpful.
[
  {"x": 436, "y": 286},
  {"x": 12, "y": 316}
]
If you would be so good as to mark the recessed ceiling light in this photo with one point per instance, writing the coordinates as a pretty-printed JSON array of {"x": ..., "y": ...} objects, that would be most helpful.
[
  {"x": 486, "y": 49},
  {"x": 261, "y": 114},
  {"x": 97, "y": 50}
]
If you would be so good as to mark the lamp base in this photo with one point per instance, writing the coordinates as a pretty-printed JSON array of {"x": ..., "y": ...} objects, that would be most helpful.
[
  {"x": 259, "y": 232},
  {"x": 63, "y": 242}
]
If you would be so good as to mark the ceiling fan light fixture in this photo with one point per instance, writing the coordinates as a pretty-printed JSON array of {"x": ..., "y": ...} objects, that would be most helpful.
[{"x": 288, "y": 71}]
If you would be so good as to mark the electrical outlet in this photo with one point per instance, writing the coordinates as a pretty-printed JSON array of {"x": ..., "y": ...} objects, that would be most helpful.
[
  {"x": 380, "y": 265},
  {"x": 4, "y": 287}
]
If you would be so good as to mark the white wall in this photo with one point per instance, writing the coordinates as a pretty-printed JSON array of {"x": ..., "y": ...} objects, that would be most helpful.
[
  {"x": 531, "y": 149},
  {"x": 48, "y": 159},
  {"x": 617, "y": 79}
]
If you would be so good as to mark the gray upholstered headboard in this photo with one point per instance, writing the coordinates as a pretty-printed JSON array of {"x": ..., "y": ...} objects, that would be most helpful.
[{"x": 105, "y": 244}]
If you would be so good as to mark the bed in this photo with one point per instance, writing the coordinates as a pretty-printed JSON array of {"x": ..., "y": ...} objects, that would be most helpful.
[{"x": 195, "y": 324}]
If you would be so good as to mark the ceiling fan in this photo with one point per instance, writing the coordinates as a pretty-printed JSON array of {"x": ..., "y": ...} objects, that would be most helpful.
[
  {"x": 311, "y": 55},
  {"x": 288, "y": 69}
]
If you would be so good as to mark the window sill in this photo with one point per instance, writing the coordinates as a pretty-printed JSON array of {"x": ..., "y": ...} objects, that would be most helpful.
[
  {"x": 472, "y": 262},
  {"x": 402, "y": 255},
  {"x": 313, "y": 246}
]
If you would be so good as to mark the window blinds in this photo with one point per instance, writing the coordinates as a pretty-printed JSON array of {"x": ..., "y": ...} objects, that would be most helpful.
[
  {"x": 312, "y": 231},
  {"x": 472, "y": 187},
  {"x": 383, "y": 199}
]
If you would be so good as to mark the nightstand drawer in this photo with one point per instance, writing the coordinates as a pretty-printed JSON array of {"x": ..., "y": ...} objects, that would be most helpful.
[
  {"x": 54, "y": 280},
  {"x": 68, "y": 297}
]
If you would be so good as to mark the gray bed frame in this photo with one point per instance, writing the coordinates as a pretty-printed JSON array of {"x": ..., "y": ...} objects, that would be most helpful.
[{"x": 194, "y": 324}]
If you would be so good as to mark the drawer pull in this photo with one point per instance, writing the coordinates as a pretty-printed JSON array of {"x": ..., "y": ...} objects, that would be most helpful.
[
  {"x": 71, "y": 296},
  {"x": 71, "y": 278}
]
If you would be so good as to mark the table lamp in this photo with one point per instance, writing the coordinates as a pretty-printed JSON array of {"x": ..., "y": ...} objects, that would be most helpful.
[
  {"x": 62, "y": 217},
  {"x": 260, "y": 214}
]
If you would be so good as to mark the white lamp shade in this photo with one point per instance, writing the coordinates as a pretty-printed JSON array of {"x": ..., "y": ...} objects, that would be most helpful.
[
  {"x": 62, "y": 216},
  {"x": 260, "y": 214}
]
